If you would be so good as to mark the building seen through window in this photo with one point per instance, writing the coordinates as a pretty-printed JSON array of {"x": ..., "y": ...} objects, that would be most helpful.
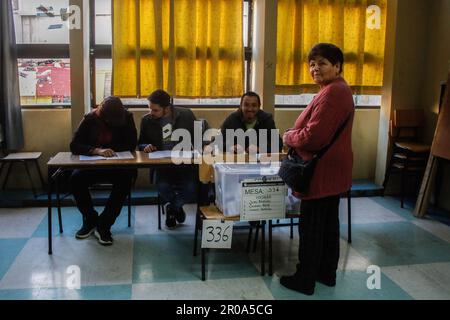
[{"x": 44, "y": 81}]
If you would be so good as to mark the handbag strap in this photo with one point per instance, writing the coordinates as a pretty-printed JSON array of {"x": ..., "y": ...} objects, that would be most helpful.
[
  {"x": 291, "y": 151},
  {"x": 336, "y": 136}
]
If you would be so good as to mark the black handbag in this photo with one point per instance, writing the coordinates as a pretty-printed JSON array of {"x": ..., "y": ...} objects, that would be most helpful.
[{"x": 296, "y": 172}]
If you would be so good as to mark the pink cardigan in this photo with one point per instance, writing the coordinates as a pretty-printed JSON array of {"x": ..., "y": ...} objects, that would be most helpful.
[{"x": 315, "y": 128}]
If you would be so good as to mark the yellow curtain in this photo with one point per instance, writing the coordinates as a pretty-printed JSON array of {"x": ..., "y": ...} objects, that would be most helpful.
[
  {"x": 358, "y": 27},
  {"x": 190, "y": 48}
]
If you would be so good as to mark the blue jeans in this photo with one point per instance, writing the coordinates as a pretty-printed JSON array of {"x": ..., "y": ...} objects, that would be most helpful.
[{"x": 177, "y": 185}]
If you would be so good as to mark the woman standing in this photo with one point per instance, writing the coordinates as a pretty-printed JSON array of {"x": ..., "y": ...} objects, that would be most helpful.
[{"x": 314, "y": 129}]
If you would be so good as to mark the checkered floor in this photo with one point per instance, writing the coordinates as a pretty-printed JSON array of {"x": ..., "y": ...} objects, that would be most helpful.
[{"x": 146, "y": 263}]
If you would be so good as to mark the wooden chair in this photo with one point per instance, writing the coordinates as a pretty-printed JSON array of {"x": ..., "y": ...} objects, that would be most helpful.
[
  {"x": 408, "y": 156},
  {"x": 25, "y": 158}
]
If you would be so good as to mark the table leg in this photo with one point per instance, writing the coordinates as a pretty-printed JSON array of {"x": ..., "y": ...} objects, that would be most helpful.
[
  {"x": 263, "y": 248},
  {"x": 203, "y": 264},
  {"x": 270, "y": 249}
]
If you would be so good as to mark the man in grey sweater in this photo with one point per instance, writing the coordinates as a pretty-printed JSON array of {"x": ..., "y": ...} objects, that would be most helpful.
[{"x": 175, "y": 185}]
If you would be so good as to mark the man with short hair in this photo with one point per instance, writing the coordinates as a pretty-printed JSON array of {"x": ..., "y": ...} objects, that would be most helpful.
[
  {"x": 176, "y": 185},
  {"x": 248, "y": 117}
]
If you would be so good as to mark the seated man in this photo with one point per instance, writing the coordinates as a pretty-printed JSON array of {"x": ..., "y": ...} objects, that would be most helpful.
[
  {"x": 106, "y": 130},
  {"x": 176, "y": 185},
  {"x": 248, "y": 117}
]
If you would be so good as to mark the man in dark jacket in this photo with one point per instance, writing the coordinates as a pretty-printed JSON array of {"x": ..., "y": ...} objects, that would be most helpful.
[
  {"x": 103, "y": 132},
  {"x": 250, "y": 119},
  {"x": 176, "y": 185}
]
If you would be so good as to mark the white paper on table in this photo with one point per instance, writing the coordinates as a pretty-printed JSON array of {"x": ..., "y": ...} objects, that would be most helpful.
[
  {"x": 119, "y": 156},
  {"x": 175, "y": 154}
]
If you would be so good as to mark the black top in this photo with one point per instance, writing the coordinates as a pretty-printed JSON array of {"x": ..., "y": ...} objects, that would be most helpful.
[
  {"x": 91, "y": 129},
  {"x": 264, "y": 120}
]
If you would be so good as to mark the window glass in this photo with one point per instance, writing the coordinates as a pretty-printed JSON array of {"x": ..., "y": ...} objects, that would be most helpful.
[
  {"x": 38, "y": 22},
  {"x": 44, "y": 81},
  {"x": 103, "y": 33},
  {"x": 103, "y": 73}
]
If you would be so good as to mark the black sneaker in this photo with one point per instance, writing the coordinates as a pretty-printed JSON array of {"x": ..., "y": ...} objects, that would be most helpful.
[
  {"x": 180, "y": 215},
  {"x": 85, "y": 231},
  {"x": 171, "y": 221},
  {"x": 104, "y": 237}
]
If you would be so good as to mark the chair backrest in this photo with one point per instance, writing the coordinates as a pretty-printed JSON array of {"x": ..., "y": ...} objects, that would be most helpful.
[{"x": 406, "y": 124}]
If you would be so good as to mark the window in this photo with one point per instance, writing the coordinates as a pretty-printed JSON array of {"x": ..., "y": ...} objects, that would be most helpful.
[
  {"x": 42, "y": 36},
  {"x": 357, "y": 27},
  {"x": 101, "y": 64},
  {"x": 41, "y": 21}
]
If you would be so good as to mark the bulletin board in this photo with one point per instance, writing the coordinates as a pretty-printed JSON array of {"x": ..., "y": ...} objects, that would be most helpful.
[{"x": 441, "y": 142}]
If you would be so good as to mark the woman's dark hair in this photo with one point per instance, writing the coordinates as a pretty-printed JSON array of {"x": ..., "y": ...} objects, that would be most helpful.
[
  {"x": 113, "y": 111},
  {"x": 250, "y": 94},
  {"x": 329, "y": 51},
  {"x": 160, "y": 97}
]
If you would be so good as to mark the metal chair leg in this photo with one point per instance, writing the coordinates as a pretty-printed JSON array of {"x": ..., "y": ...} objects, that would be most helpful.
[
  {"x": 159, "y": 213},
  {"x": 7, "y": 174},
  {"x": 292, "y": 228},
  {"x": 249, "y": 239},
  {"x": 197, "y": 225},
  {"x": 40, "y": 173},
  {"x": 129, "y": 208},
  {"x": 263, "y": 248},
  {"x": 25, "y": 163},
  {"x": 255, "y": 243},
  {"x": 58, "y": 204},
  {"x": 203, "y": 264},
  {"x": 270, "y": 249}
]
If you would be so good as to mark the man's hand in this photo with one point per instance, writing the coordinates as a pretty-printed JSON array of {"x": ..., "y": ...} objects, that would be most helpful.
[
  {"x": 108, "y": 153},
  {"x": 252, "y": 149},
  {"x": 149, "y": 148},
  {"x": 237, "y": 148}
]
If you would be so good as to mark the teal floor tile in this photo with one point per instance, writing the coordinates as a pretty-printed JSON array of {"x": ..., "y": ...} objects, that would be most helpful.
[
  {"x": 118, "y": 292},
  {"x": 168, "y": 257},
  {"x": 398, "y": 243},
  {"x": 9, "y": 249},
  {"x": 72, "y": 220},
  {"x": 350, "y": 285}
]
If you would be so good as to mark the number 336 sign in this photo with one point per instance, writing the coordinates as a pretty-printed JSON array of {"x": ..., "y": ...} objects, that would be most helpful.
[{"x": 217, "y": 234}]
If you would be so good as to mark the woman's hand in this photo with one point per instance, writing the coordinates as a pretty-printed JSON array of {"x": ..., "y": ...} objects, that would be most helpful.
[
  {"x": 149, "y": 148},
  {"x": 108, "y": 153}
]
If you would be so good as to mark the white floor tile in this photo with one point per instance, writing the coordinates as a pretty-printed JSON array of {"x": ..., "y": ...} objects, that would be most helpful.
[
  {"x": 365, "y": 210},
  {"x": 436, "y": 228},
  {"x": 20, "y": 222},
  {"x": 224, "y": 289},
  {"x": 422, "y": 281},
  {"x": 99, "y": 265}
]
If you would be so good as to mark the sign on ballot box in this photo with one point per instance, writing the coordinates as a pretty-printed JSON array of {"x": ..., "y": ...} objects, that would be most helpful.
[
  {"x": 217, "y": 234},
  {"x": 263, "y": 199}
]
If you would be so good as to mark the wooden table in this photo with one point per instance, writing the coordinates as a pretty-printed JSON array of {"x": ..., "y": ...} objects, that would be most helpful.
[{"x": 67, "y": 161}]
